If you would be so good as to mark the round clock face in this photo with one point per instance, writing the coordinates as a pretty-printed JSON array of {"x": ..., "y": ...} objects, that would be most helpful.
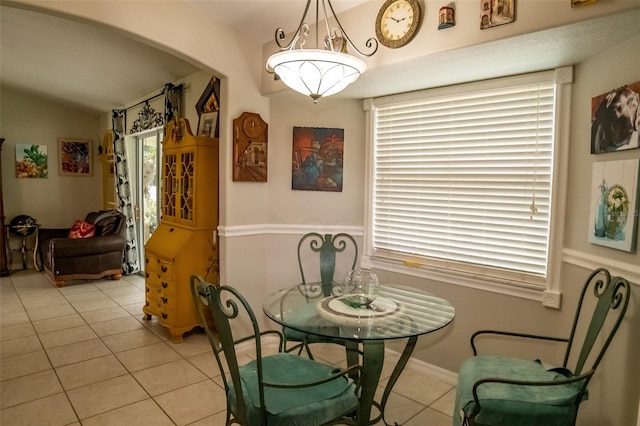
[
  {"x": 252, "y": 126},
  {"x": 397, "y": 22}
]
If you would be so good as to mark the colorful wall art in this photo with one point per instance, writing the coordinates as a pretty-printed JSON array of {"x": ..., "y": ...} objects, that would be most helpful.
[
  {"x": 317, "y": 160},
  {"x": 32, "y": 161}
]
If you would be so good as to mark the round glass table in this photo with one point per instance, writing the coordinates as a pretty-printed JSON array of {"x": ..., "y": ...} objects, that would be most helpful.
[{"x": 399, "y": 312}]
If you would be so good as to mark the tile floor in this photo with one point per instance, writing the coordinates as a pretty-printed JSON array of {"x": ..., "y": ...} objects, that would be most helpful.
[{"x": 83, "y": 354}]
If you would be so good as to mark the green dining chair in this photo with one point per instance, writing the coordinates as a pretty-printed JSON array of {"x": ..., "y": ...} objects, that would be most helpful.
[
  {"x": 326, "y": 247},
  {"x": 279, "y": 389},
  {"x": 504, "y": 391}
]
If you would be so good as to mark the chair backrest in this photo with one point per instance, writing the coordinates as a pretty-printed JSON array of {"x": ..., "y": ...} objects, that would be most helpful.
[
  {"x": 225, "y": 305},
  {"x": 601, "y": 308},
  {"x": 327, "y": 246}
]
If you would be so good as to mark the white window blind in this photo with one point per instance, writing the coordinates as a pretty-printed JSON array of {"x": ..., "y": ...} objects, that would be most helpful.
[{"x": 464, "y": 180}]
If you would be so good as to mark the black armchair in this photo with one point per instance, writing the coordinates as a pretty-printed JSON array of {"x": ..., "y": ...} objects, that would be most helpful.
[{"x": 63, "y": 259}]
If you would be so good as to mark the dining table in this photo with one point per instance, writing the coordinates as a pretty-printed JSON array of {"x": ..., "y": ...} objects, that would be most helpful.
[{"x": 397, "y": 312}]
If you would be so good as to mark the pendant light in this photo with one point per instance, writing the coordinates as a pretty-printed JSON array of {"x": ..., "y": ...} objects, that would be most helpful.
[{"x": 322, "y": 71}]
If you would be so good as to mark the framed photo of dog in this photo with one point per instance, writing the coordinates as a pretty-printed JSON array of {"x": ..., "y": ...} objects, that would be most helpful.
[{"x": 615, "y": 119}]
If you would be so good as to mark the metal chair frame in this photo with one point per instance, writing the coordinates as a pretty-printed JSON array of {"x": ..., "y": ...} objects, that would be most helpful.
[
  {"x": 327, "y": 246},
  {"x": 612, "y": 294},
  {"x": 225, "y": 303}
]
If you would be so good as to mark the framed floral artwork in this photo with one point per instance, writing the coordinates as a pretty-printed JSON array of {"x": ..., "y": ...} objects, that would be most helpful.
[
  {"x": 614, "y": 209},
  {"x": 31, "y": 161},
  {"x": 75, "y": 157}
]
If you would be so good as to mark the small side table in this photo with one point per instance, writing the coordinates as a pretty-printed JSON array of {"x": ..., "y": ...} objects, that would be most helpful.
[{"x": 24, "y": 226}]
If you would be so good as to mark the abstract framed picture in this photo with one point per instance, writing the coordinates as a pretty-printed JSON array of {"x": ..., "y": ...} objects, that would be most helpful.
[
  {"x": 32, "y": 161},
  {"x": 613, "y": 221},
  {"x": 75, "y": 157},
  {"x": 496, "y": 12},
  {"x": 317, "y": 160},
  {"x": 615, "y": 119}
]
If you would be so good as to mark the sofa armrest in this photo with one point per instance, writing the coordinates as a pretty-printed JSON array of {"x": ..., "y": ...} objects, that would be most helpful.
[
  {"x": 74, "y": 247},
  {"x": 45, "y": 234}
]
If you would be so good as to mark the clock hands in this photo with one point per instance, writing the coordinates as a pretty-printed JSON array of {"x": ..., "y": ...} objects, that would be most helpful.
[{"x": 398, "y": 20}]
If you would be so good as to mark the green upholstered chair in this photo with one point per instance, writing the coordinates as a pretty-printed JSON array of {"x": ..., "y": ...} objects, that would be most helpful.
[
  {"x": 325, "y": 249},
  {"x": 498, "y": 390},
  {"x": 278, "y": 389}
]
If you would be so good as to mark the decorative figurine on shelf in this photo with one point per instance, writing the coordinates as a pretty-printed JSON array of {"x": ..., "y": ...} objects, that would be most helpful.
[{"x": 447, "y": 17}]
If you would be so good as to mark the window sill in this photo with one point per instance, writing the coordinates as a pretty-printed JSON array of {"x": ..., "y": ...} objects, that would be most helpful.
[{"x": 495, "y": 285}]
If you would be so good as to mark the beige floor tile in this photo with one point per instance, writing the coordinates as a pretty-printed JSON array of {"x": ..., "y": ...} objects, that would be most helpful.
[
  {"x": 37, "y": 300},
  {"x": 215, "y": 420},
  {"x": 418, "y": 386},
  {"x": 398, "y": 408},
  {"x": 67, "y": 336},
  {"x": 168, "y": 377},
  {"x": 11, "y": 305},
  {"x": 22, "y": 345},
  {"x": 50, "y": 312},
  {"x": 16, "y": 331},
  {"x": 195, "y": 402},
  {"x": 130, "y": 299},
  {"x": 135, "y": 310},
  {"x": 116, "y": 326},
  {"x": 145, "y": 412},
  {"x": 107, "y": 314},
  {"x": 86, "y": 296},
  {"x": 446, "y": 403},
  {"x": 11, "y": 318},
  {"x": 23, "y": 365},
  {"x": 130, "y": 340},
  {"x": 147, "y": 356},
  {"x": 70, "y": 290},
  {"x": 54, "y": 410},
  {"x": 90, "y": 371},
  {"x": 429, "y": 417},
  {"x": 157, "y": 329},
  {"x": 104, "y": 396},
  {"x": 75, "y": 352},
  {"x": 28, "y": 388},
  {"x": 93, "y": 305},
  {"x": 205, "y": 362},
  {"x": 192, "y": 345},
  {"x": 58, "y": 323},
  {"x": 128, "y": 290}
]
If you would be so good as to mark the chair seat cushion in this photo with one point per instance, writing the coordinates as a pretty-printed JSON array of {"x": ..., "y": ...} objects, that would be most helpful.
[
  {"x": 301, "y": 406},
  {"x": 514, "y": 405}
]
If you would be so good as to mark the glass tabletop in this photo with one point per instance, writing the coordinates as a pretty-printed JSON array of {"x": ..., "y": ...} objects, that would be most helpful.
[{"x": 397, "y": 312}]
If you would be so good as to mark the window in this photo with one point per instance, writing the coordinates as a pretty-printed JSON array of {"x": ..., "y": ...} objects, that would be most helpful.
[{"x": 462, "y": 181}]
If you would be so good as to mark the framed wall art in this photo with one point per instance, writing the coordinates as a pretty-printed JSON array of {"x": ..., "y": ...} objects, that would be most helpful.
[
  {"x": 75, "y": 157},
  {"x": 31, "y": 161},
  {"x": 615, "y": 119},
  {"x": 614, "y": 204},
  {"x": 208, "y": 124},
  {"x": 496, "y": 12},
  {"x": 317, "y": 161}
]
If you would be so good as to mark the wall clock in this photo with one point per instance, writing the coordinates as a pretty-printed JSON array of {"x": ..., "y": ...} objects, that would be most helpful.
[
  {"x": 250, "y": 134},
  {"x": 398, "y": 22}
]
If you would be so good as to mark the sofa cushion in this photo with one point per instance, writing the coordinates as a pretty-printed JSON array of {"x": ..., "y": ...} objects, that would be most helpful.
[{"x": 82, "y": 229}]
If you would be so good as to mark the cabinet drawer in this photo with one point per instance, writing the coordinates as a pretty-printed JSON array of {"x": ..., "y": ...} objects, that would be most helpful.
[{"x": 154, "y": 264}]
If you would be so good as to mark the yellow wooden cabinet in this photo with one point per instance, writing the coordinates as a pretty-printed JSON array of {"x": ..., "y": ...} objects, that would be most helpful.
[{"x": 185, "y": 242}]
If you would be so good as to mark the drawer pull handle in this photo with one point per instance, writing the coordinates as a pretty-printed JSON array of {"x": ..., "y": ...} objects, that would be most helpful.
[
  {"x": 147, "y": 289},
  {"x": 164, "y": 316},
  {"x": 165, "y": 284},
  {"x": 165, "y": 300},
  {"x": 146, "y": 260},
  {"x": 146, "y": 274},
  {"x": 164, "y": 268},
  {"x": 146, "y": 303}
]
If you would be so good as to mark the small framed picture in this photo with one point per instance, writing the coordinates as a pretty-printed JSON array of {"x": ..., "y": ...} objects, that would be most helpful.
[
  {"x": 75, "y": 157},
  {"x": 498, "y": 12},
  {"x": 208, "y": 124}
]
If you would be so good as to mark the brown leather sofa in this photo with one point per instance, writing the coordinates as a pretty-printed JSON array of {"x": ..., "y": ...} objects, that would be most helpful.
[{"x": 63, "y": 259}]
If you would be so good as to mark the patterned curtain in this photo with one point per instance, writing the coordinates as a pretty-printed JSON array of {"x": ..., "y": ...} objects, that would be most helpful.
[
  {"x": 131, "y": 264},
  {"x": 148, "y": 118}
]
